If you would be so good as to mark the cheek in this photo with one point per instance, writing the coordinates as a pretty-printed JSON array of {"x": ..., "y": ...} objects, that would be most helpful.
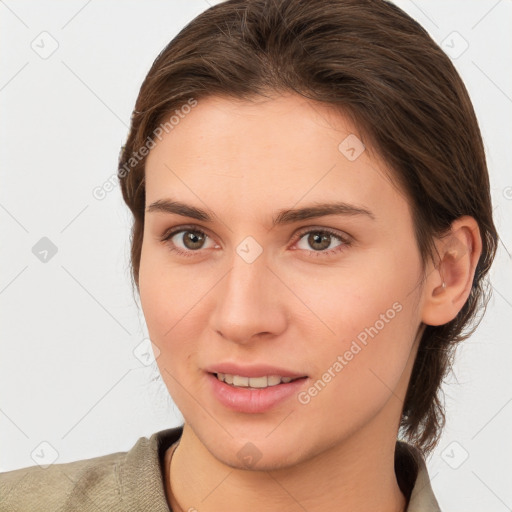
[
  {"x": 154, "y": 300},
  {"x": 166, "y": 292},
  {"x": 376, "y": 291},
  {"x": 174, "y": 303},
  {"x": 373, "y": 311},
  {"x": 168, "y": 327},
  {"x": 159, "y": 301}
]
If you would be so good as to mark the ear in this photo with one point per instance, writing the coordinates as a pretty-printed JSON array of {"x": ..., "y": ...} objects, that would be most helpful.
[{"x": 449, "y": 280}]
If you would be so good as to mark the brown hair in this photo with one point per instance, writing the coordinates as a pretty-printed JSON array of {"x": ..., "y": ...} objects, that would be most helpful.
[{"x": 366, "y": 58}]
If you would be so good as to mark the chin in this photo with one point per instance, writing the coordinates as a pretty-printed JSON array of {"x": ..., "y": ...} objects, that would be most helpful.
[
  {"x": 251, "y": 457},
  {"x": 254, "y": 449}
]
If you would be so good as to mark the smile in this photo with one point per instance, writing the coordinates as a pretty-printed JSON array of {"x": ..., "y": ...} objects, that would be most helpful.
[{"x": 239, "y": 381}]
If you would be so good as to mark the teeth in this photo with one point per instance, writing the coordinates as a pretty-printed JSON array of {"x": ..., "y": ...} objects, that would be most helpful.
[
  {"x": 273, "y": 380},
  {"x": 258, "y": 382},
  {"x": 252, "y": 382},
  {"x": 240, "y": 381}
]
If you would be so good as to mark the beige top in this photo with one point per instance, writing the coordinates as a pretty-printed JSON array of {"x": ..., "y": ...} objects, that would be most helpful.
[{"x": 133, "y": 481}]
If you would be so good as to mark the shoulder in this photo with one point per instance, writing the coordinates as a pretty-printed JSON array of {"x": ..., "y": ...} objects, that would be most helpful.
[
  {"x": 35, "y": 488},
  {"x": 413, "y": 479},
  {"x": 118, "y": 481}
]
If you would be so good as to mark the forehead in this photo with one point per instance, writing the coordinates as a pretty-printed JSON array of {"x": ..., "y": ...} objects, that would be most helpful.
[{"x": 266, "y": 153}]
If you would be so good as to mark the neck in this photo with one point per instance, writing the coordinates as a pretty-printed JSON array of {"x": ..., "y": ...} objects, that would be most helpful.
[{"x": 355, "y": 476}]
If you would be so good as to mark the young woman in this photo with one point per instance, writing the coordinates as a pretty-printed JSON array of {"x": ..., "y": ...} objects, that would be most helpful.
[{"x": 312, "y": 227}]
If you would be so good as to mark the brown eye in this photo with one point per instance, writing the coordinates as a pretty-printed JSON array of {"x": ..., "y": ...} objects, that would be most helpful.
[
  {"x": 321, "y": 242},
  {"x": 186, "y": 242},
  {"x": 193, "y": 239}
]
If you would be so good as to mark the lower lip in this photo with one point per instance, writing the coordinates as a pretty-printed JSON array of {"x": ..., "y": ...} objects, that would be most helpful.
[{"x": 251, "y": 400}]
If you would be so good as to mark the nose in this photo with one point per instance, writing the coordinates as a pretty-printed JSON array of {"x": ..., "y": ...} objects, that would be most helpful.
[{"x": 249, "y": 303}]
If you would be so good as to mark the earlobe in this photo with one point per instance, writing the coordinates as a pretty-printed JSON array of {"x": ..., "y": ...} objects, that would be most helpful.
[{"x": 449, "y": 281}]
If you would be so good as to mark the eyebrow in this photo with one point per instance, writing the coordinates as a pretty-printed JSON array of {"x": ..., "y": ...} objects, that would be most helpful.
[{"x": 286, "y": 216}]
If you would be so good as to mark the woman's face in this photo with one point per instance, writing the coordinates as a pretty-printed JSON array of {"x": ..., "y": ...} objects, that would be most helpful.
[{"x": 275, "y": 246}]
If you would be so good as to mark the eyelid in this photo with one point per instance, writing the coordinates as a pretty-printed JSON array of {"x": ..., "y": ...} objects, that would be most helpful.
[
  {"x": 302, "y": 231},
  {"x": 343, "y": 237},
  {"x": 169, "y": 233}
]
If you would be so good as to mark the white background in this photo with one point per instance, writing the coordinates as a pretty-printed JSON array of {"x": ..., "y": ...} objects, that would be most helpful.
[{"x": 68, "y": 373}]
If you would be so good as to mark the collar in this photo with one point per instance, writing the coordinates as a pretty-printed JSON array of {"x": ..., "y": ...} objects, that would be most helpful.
[{"x": 141, "y": 474}]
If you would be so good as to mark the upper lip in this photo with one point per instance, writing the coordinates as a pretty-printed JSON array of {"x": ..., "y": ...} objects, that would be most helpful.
[{"x": 253, "y": 370}]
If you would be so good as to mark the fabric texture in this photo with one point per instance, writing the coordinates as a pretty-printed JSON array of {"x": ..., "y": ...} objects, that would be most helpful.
[{"x": 133, "y": 481}]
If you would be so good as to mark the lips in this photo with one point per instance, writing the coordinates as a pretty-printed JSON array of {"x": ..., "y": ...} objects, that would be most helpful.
[
  {"x": 253, "y": 389},
  {"x": 259, "y": 370},
  {"x": 265, "y": 381}
]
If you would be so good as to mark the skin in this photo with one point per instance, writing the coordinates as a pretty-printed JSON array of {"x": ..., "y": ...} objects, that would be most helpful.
[{"x": 294, "y": 306}]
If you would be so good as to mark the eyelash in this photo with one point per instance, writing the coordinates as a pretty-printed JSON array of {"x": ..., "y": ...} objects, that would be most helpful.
[{"x": 345, "y": 242}]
